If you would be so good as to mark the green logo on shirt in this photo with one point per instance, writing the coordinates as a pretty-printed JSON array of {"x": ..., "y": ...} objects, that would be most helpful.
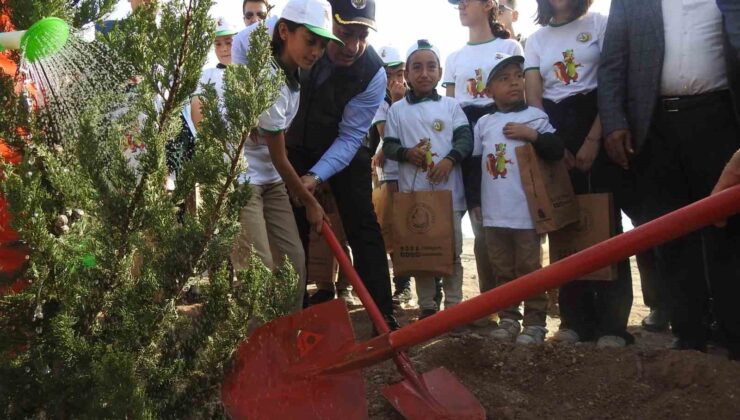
[{"x": 584, "y": 37}]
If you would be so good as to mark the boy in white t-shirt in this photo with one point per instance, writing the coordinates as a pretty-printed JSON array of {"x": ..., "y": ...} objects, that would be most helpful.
[
  {"x": 426, "y": 123},
  {"x": 513, "y": 243}
]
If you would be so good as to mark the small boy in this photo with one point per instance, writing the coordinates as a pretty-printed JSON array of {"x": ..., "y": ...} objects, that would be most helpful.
[
  {"x": 513, "y": 243},
  {"x": 425, "y": 123}
]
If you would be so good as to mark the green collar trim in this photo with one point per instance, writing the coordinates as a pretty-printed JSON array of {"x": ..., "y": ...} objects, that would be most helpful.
[
  {"x": 521, "y": 106},
  {"x": 413, "y": 99},
  {"x": 482, "y": 42},
  {"x": 557, "y": 25}
]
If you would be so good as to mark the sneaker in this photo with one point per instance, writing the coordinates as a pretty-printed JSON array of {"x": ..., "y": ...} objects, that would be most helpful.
[
  {"x": 426, "y": 313},
  {"x": 346, "y": 296},
  {"x": 532, "y": 335},
  {"x": 612, "y": 341},
  {"x": 566, "y": 336},
  {"x": 507, "y": 330},
  {"x": 401, "y": 297},
  {"x": 321, "y": 296}
]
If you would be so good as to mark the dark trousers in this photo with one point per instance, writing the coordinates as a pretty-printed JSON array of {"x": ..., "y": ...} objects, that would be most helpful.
[
  {"x": 688, "y": 145},
  {"x": 352, "y": 189},
  {"x": 592, "y": 308}
]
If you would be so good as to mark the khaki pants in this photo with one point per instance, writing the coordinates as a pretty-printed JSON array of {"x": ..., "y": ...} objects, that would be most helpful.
[
  {"x": 266, "y": 220},
  {"x": 514, "y": 253},
  {"x": 425, "y": 286}
]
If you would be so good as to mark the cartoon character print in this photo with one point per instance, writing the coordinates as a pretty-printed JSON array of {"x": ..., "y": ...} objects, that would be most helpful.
[
  {"x": 496, "y": 163},
  {"x": 567, "y": 70},
  {"x": 477, "y": 86}
]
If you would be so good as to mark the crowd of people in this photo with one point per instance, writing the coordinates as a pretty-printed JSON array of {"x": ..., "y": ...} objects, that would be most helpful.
[{"x": 640, "y": 104}]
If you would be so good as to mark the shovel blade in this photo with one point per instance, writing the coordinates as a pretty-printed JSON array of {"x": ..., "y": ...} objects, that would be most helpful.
[
  {"x": 266, "y": 382},
  {"x": 445, "y": 398}
]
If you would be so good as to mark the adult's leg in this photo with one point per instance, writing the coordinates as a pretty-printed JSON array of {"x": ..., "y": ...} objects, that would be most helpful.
[
  {"x": 283, "y": 232},
  {"x": 352, "y": 188}
]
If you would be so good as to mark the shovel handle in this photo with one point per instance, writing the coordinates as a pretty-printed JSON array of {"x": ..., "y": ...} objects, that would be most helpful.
[
  {"x": 671, "y": 226},
  {"x": 354, "y": 279}
]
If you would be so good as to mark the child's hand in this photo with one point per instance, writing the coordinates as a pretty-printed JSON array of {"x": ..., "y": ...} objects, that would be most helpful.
[
  {"x": 417, "y": 154},
  {"x": 315, "y": 215},
  {"x": 587, "y": 154},
  {"x": 522, "y": 132},
  {"x": 397, "y": 90},
  {"x": 476, "y": 216},
  {"x": 378, "y": 161},
  {"x": 441, "y": 171},
  {"x": 569, "y": 159}
]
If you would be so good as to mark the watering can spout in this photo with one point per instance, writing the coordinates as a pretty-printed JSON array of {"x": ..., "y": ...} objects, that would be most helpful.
[
  {"x": 43, "y": 39},
  {"x": 11, "y": 40}
]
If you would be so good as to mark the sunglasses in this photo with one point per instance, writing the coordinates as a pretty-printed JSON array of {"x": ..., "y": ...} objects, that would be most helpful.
[{"x": 260, "y": 15}]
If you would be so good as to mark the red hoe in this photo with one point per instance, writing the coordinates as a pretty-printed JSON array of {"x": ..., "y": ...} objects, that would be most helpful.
[{"x": 307, "y": 365}]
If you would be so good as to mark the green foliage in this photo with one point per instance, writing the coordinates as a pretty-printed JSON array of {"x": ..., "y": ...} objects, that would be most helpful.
[
  {"x": 102, "y": 331},
  {"x": 79, "y": 12}
]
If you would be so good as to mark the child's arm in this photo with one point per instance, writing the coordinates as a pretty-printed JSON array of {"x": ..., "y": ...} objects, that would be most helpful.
[
  {"x": 392, "y": 148},
  {"x": 548, "y": 145},
  {"x": 462, "y": 146},
  {"x": 276, "y": 145}
]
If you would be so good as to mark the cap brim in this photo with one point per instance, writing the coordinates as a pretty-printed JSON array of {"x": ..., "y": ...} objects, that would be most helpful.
[
  {"x": 393, "y": 63},
  {"x": 515, "y": 59},
  {"x": 323, "y": 33},
  {"x": 358, "y": 20},
  {"x": 226, "y": 33}
]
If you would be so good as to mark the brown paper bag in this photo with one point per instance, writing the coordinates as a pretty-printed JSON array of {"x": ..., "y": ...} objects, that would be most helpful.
[
  {"x": 597, "y": 223},
  {"x": 552, "y": 202},
  {"x": 322, "y": 266},
  {"x": 383, "y": 203},
  {"x": 423, "y": 233}
]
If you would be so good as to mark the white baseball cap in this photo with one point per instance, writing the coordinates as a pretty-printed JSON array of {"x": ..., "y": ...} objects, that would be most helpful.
[
  {"x": 224, "y": 27},
  {"x": 391, "y": 56},
  {"x": 315, "y": 15},
  {"x": 501, "y": 60},
  {"x": 423, "y": 44}
]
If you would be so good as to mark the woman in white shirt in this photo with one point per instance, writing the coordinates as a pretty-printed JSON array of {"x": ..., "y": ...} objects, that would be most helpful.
[
  {"x": 465, "y": 74},
  {"x": 561, "y": 65}
]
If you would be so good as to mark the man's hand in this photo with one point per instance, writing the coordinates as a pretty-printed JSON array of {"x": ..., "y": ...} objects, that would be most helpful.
[
  {"x": 417, "y": 154},
  {"x": 619, "y": 147},
  {"x": 730, "y": 176},
  {"x": 315, "y": 216},
  {"x": 310, "y": 183},
  {"x": 476, "y": 216},
  {"x": 587, "y": 154},
  {"x": 378, "y": 160},
  {"x": 521, "y": 132},
  {"x": 398, "y": 90},
  {"x": 441, "y": 171}
]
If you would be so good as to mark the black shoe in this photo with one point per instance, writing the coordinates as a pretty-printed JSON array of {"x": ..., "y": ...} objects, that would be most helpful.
[
  {"x": 426, "y": 313},
  {"x": 657, "y": 321},
  {"x": 438, "y": 293},
  {"x": 392, "y": 324},
  {"x": 681, "y": 344},
  {"x": 401, "y": 297},
  {"x": 321, "y": 296}
]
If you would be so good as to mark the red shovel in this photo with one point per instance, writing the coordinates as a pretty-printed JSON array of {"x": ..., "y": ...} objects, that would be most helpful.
[
  {"x": 307, "y": 365},
  {"x": 432, "y": 395}
]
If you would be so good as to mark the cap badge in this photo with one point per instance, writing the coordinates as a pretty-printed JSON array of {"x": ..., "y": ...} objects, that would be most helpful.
[
  {"x": 359, "y": 4},
  {"x": 382, "y": 53},
  {"x": 584, "y": 37},
  {"x": 438, "y": 125},
  {"x": 499, "y": 56}
]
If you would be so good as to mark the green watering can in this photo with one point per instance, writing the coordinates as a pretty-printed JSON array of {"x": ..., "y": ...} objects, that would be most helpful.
[{"x": 43, "y": 39}]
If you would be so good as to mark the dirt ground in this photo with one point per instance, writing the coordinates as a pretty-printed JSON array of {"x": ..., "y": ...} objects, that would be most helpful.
[{"x": 559, "y": 381}]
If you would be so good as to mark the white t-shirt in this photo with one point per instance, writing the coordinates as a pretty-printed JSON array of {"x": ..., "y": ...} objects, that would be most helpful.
[
  {"x": 260, "y": 170},
  {"x": 435, "y": 120},
  {"x": 469, "y": 66},
  {"x": 389, "y": 171},
  {"x": 503, "y": 201},
  {"x": 567, "y": 56}
]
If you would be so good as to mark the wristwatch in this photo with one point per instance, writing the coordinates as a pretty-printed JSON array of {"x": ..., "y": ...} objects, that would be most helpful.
[{"x": 315, "y": 177}]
